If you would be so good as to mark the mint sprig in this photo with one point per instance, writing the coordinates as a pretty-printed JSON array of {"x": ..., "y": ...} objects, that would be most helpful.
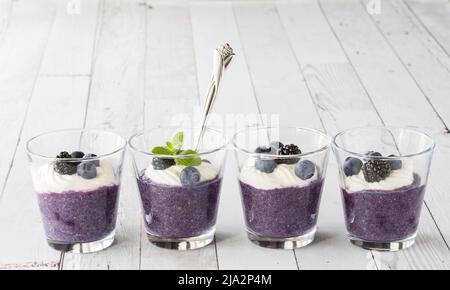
[{"x": 174, "y": 148}]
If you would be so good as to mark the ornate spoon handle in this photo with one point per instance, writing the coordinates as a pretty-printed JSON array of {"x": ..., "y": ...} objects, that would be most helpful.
[{"x": 222, "y": 59}]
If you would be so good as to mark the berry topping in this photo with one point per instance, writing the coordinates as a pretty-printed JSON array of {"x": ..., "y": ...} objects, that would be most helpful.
[
  {"x": 190, "y": 177},
  {"x": 265, "y": 165},
  {"x": 395, "y": 164},
  {"x": 162, "y": 163},
  {"x": 372, "y": 154},
  {"x": 77, "y": 154},
  {"x": 376, "y": 170},
  {"x": 92, "y": 158},
  {"x": 352, "y": 166},
  {"x": 64, "y": 155},
  {"x": 305, "y": 169},
  {"x": 276, "y": 145},
  {"x": 87, "y": 170},
  {"x": 290, "y": 149},
  {"x": 65, "y": 167},
  {"x": 263, "y": 149}
]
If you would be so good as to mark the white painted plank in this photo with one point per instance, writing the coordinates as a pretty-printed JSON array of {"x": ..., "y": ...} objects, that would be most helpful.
[
  {"x": 428, "y": 65},
  {"x": 171, "y": 81},
  {"x": 116, "y": 104},
  {"x": 5, "y": 15},
  {"x": 171, "y": 89},
  {"x": 234, "y": 250},
  {"x": 57, "y": 103},
  {"x": 278, "y": 81},
  {"x": 71, "y": 42},
  {"x": 435, "y": 16},
  {"x": 279, "y": 86},
  {"x": 20, "y": 58},
  {"x": 332, "y": 97},
  {"x": 398, "y": 99},
  {"x": 342, "y": 103}
]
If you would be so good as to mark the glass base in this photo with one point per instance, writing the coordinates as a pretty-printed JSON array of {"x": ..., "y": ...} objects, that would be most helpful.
[
  {"x": 384, "y": 247},
  {"x": 283, "y": 243},
  {"x": 84, "y": 248},
  {"x": 182, "y": 244}
]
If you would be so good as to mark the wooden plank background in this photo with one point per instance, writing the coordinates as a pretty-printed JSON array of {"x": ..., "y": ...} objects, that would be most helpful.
[{"x": 124, "y": 65}]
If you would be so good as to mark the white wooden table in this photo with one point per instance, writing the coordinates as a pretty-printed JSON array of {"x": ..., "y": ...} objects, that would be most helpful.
[{"x": 126, "y": 64}]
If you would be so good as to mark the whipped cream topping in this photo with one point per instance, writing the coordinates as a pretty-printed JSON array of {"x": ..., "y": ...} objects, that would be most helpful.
[
  {"x": 397, "y": 179},
  {"x": 283, "y": 176},
  {"x": 47, "y": 180},
  {"x": 171, "y": 175}
]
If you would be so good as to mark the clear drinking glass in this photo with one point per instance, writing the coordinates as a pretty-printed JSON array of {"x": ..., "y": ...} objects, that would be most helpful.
[
  {"x": 179, "y": 200},
  {"x": 281, "y": 193},
  {"x": 77, "y": 192},
  {"x": 383, "y": 175}
]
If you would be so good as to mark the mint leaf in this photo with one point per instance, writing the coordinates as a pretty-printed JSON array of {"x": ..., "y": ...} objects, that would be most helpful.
[
  {"x": 171, "y": 147},
  {"x": 178, "y": 140},
  {"x": 162, "y": 151},
  {"x": 188, "y": 161}
]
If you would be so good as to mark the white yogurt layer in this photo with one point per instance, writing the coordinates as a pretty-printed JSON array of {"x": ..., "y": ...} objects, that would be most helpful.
[
  {"x": 171, "y": 175},
  {"x": 47, "y": 180},
  {"x": 283, "y": 176},
  {"x": 397, "y": 179}
]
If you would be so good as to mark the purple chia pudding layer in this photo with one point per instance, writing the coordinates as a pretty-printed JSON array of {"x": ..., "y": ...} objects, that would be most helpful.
[
  {"x": 384, "y": 216},
  {"x": 79, "y": 216},
  {"x": 178, "y": 211},
  {"x": 281, "y": 213}
]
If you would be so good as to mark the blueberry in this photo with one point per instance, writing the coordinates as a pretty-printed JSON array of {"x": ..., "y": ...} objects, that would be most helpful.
[
  {"x": 92, "y": 159},
  {"x": 77, "y": 154},
  {"x": 373, "y": 153},
  {"x": 305, "y": 169},
  {"x": 352, "y": 166},
  {"x": 190, "y": 177},
  {"x": 265, "y": 165},
  {"x": 162, "y": 163},
  {"x": 87, "y": 170},
  {"x": 263, "y": 149},
  {"x": 395, "y": 164},
  {"x": 276, "y": 145}
]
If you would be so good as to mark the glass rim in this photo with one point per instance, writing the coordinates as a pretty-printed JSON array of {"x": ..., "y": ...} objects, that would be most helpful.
[
  {"x": 275, "y": 156},
  {"x": 429, "y": 148},
  {"x": 102, "y": 156},
  {"x": 181, "y": 156}
]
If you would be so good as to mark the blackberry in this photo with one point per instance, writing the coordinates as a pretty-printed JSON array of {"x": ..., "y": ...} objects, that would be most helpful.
[
  {"x": 64, "y": 167},
  {"x": 376, "y": 170},
  {"x": 162, "y": 163},
  {"x": 290, "y": 149}
]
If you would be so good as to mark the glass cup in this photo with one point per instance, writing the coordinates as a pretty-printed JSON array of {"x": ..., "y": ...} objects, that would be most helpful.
[
  {"x": 281, "y": 186},
  {"x": 76, "y": 175},
  {"x": 179, "y": 194},
  {"x": 383, "y": 174}
]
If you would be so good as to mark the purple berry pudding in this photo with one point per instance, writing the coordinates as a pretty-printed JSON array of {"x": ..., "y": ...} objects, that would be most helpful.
[
  {"x": 178, "y": 211},
  {"x": 78, "y": 199},
  {"x": 180, "y": 196},
  {"x": 281, "y": 197},
  {"x": 281, "y": 212},
  {"x": 382, "y": 199}
]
